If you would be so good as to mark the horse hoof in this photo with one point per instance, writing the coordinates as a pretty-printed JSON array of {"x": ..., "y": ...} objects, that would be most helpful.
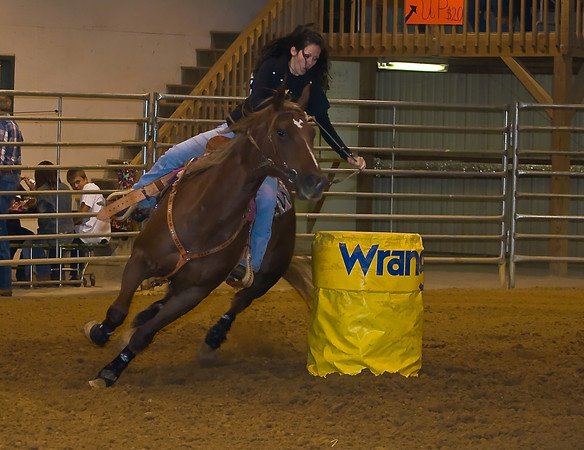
[
  {"x": 93, "y": 332},
  {"x": 104, "y": 379},
  {"x": 97, "y": 383}
]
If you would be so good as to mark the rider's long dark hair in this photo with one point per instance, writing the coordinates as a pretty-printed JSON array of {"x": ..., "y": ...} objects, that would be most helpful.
[
  {"x": 302, "y": 36},
  {"x": 46, "y": 177}
]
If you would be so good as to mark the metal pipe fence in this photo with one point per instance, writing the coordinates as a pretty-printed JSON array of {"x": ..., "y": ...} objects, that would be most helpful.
[
  {"x": 467, "y": 178},
  {"x": 59, "y": 126},
  {"x": 452, "y": 191},
  {"x": 548, "y": 187}
]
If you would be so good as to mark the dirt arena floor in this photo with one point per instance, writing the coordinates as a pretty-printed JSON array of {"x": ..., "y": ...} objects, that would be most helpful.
[{"x": 502, "y": 369}]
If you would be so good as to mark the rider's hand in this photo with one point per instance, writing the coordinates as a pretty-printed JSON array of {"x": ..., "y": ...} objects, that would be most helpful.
[{"x": 358, "y": 162}]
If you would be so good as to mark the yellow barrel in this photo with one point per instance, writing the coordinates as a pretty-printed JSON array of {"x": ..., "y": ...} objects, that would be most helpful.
[{"x": 368, "y": 311}]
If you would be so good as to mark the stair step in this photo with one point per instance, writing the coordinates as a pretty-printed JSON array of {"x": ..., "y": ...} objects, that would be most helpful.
[
  {"x": 223, "y": 39},
  {"x": 129, "y": 150},
  {"x": 165, "y": 110},
  {"x": 179, "y": 89},
  {"x": 192, "y": 74},
  {"x": 206, "y": 57}
]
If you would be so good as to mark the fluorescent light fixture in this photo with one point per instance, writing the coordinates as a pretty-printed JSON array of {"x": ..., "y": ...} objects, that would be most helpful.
[{"x": 412, "y": 66}]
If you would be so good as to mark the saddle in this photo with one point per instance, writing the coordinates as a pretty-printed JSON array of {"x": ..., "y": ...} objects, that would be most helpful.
[{"x": 127, "y": 200}]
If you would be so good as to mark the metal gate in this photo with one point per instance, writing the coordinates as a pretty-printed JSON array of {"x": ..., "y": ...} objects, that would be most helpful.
[{"x": 473, "y": 180}]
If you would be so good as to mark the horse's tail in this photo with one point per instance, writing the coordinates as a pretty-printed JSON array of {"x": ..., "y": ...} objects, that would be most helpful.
[{"x": 299, "y": 275}]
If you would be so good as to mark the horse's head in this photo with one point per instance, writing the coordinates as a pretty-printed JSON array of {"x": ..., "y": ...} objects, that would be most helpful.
[{"x": 285, "y": 136}]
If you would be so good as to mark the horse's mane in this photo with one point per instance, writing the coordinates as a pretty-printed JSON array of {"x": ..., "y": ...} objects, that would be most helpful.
[{"x": 245, "y": 126}]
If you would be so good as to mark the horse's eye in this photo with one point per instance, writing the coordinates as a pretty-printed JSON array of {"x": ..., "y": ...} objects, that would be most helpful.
[{"x": 281, "y": 132}]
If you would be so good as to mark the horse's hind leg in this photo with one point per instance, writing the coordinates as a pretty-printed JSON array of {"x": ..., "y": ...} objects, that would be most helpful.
[
  {"x": 100, "y": 332},
  {"x": 175, "y": 306}
]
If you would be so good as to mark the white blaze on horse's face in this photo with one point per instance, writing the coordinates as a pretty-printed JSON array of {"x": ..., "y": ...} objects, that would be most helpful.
[
  {"x": 311, "y": 154},
  {"x": 301, "y": 122}
]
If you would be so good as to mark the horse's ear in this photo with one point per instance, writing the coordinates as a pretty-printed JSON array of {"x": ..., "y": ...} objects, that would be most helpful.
[
  {"x": 303, "y": 100},
  {"x": 279, "y": 98}
]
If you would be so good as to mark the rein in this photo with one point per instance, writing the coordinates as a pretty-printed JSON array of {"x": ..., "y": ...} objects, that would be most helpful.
[
  {"x": 355, "y": 172},
  {"x": 345, "y": 150}
]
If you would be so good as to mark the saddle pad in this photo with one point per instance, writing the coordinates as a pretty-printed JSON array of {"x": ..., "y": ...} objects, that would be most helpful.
[
  {"x": 215, "y": 142},
  {"x": 283, "y": 199}
]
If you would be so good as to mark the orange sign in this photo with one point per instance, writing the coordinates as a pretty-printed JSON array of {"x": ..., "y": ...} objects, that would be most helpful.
[{"x": 434, "y": 12}]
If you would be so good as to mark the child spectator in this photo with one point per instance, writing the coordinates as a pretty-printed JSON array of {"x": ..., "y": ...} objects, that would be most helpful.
[{"x": 89, "y": 203}]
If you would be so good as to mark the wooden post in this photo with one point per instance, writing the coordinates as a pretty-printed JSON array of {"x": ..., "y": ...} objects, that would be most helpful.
[
  {"x": 563, "y": 69},
  {"x": 367, "y": 91}
]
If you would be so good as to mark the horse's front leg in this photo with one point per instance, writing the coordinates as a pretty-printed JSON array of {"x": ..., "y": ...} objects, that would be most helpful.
[
  {"x": 134, "y": 273},
  {"x": 178, "y": 303},
  {"x": 218, "y": 332}
]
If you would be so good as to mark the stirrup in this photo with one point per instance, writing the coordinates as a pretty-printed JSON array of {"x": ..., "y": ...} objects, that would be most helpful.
[{"x": 240, "y": 277}]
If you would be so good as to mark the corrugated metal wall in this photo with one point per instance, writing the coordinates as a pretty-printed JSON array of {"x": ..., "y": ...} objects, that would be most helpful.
[{"x": 475, "y": 89}]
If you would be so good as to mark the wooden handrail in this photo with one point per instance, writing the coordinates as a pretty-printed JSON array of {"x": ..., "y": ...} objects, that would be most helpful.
[
  {"x": 230, "y": 74},
  {"x": 375, "y": 28}
]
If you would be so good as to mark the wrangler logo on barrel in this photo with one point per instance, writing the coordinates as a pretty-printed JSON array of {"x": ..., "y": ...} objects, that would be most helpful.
[{"x": 392, "y": 262}]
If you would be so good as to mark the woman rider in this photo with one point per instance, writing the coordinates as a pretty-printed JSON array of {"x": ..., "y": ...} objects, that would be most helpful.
[{"x": 292, "y": 61}]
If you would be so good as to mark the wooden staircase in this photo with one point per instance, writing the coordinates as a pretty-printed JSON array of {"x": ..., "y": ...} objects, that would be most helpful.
[
  {"x": 376, "y": 29},
  {"x": 192, "y": 75},
  {"x": 231, "y": 71}
]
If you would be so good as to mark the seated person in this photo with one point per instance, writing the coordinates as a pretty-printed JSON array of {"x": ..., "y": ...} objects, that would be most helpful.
[
  {"x": 47, "y": 179},
  {"x": 19, "y": 205},
  {"x": 89, "y": 203}
]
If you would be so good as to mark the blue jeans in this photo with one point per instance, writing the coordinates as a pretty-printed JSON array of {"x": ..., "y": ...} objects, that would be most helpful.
[
  {"x": 180, "y": 154},
  {"x": 28, "y": 252},
  {"x": 8, "y": 182}
]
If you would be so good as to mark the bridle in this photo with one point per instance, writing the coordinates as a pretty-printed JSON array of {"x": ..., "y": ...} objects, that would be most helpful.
[{"x": 290, "y": 174}]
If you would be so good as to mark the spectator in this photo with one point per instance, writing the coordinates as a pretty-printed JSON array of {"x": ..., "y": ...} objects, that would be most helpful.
[
  {"x": 9, "y": 180},
  {"x": 19, "y": 205},
  {"x": 48, "y": 180},
  {"x": 89, "y": 203}
]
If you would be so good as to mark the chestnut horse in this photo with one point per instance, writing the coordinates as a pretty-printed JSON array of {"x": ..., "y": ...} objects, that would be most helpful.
[{"x": 199, "y": 230}]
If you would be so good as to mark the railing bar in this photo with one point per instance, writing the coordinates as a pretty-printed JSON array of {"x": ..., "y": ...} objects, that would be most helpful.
[
  {"x": 426, "y": 237},
  {"x": 572, "y": 259},
  {"x": 42, "y": 237},
  {"x": 20, "y": 93},
  {"x": 572, "y": 237},
  {"x": 534, "y": 173},
  {"x": 519, "y": 195},
  {"x": 81, "y": 144},
  {"x": 65, "y": 166},
  {"x": 429, "y": 217},
  {"x": 406, "y": 195},
  {"x": 437, "y": 173},
  {"x": 140, "y": 119},
  {"x": 546, "y": 217}
]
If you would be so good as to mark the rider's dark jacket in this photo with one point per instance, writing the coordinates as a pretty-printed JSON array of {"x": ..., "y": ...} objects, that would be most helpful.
[{"x": 274, "y": 73}]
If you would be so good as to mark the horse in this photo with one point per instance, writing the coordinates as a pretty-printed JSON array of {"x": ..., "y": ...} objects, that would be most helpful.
[{"x": 199, "y": 230}]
